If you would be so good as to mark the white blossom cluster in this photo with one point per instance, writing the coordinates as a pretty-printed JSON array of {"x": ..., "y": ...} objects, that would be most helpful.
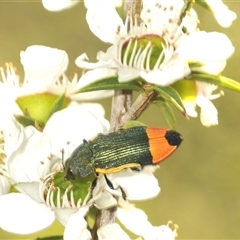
[{"x": 158, "y": 51}]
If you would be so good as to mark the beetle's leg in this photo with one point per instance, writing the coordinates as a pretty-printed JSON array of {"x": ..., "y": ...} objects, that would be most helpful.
[
  {"x": 124, "y": 195},
  {"x": 109, "y": 183},
  {"x": 93, "y": 185}
]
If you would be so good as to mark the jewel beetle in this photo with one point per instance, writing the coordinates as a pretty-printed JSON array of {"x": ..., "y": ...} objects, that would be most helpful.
[{"x": 133, "y": 147}]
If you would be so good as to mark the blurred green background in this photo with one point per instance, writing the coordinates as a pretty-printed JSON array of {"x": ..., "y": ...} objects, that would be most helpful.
[{"x": 200, "y": 183}]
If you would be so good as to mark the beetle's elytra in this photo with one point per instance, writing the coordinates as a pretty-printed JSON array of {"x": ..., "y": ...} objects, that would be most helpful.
[{"x": 134, "y": 147}]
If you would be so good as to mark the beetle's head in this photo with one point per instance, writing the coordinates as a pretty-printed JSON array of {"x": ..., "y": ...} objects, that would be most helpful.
[{"x": 68, "y": 172}]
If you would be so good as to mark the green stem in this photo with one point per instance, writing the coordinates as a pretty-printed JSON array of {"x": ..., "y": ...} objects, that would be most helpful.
[{"x": 50, "y": 238}]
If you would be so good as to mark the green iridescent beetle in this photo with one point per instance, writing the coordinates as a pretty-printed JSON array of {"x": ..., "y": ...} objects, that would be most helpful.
[{"x": 133, "y": 147}]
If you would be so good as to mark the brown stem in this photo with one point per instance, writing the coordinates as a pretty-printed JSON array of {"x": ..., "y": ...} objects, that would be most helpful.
[
  {"x": 138, "y": 107},
  {"x": 121, "y": 104},
  {"x": 121, "y": 112}
]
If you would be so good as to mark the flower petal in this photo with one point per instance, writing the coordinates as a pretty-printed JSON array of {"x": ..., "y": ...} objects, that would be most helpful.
[
  {"x": 29, "y": 162},
  {"x": 4, "y": 185},
  {"x": 90, "y": 77},
  {"x": 73, "y": 124},
  {"x": 161, "y": 233},
  {"x": 206, "y": 46},
  {"x": 105, "y": 201},
  {"x": 223, "y": 15},
  {"x": 20, "y": 214},
  {"x": 94, "y": 75},
  {"x": 127, "y": 74},
  {"x": 63, "y": 214},
  {"x": 137, "y": 185},
  {"x": 76, "y": 227},
  {"x": 112, "y": 231},
  {"x": 30, "y": 189},
  {"x": 167, "y": 76},
  {"x": 103, "y": 19},
  {"x": 82, "y": 62},
  {"x": 209, "y": 113},
  {"x": 190, "y": 108},
  {"x": 211, "y": 67},
  {"x": 43, "y": 66},
  {"x": 134, "y": 219},
  {"x": 53, "y": 5},
  {"x": 11, "y": 129}
]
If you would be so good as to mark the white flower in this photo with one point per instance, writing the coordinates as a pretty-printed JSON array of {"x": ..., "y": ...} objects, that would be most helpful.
[
  {"x": 132, "y": 183},
  {"x": 223, "y": 15},
  {"x": 45, "y": 72},
  {"x": 157, "y": 50},
  {"x": 149, "y": 51},
  {"x": 35, "y": 156},
  {"x": 136, "y": 221},
  {"x": 209, "y": 113},
  {"x": 206, "y": 48}
]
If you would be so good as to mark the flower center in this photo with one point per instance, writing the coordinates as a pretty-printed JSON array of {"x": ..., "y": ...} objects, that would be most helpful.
[
  {"x": 145, "y": 52},
  {"x": 60, "y": 193}
]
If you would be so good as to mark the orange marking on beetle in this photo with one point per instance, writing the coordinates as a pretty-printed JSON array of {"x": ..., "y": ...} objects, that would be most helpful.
[{"x": 158, "y": 144}]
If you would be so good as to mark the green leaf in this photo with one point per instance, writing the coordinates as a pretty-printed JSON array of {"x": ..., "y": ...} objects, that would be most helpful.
[
  {"x": 204, "y": 4},
  {"x": 112, "y": 83},
  {"x": 217, "y": 80},
  {"x": 167, "y": 113},
  {"x": 171, "y": 95},
  {"x": 132, "y": 123},
  {"x": 193, "y": 64},
  {"x": 57, "y": 105},
  {"x": 25, "y": 120}
]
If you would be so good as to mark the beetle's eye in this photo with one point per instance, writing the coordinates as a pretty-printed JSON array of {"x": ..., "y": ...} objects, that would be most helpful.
[{"x": 69, "y": 175}]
